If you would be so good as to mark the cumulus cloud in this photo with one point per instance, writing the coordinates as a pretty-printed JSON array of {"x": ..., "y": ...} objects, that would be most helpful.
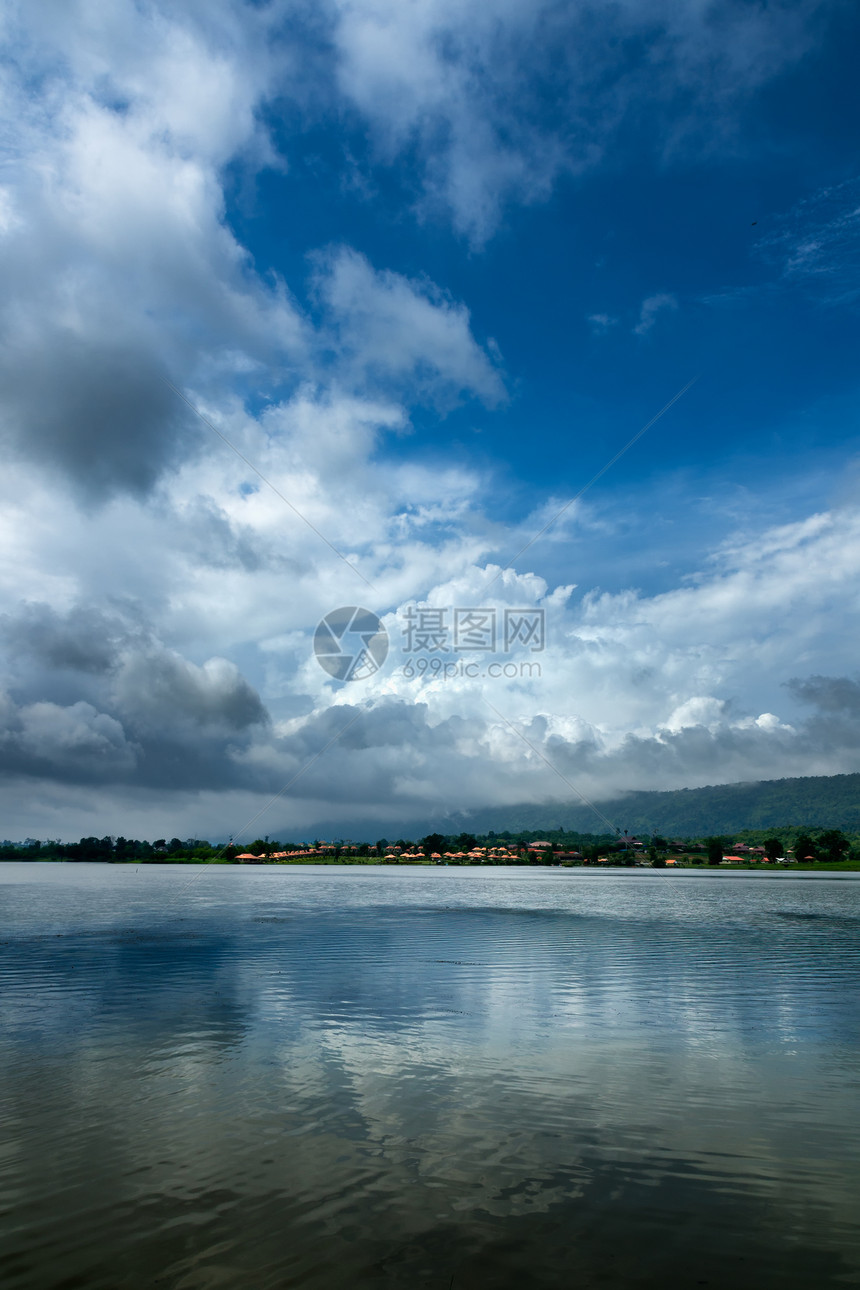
[
  {"x": 118, "y": 266},
  {"x": 121, "y": 272},
  {"x": 74, "y": 743},
  {"x": 165, "y": 689},
  {"x": 682, "y": 688}
]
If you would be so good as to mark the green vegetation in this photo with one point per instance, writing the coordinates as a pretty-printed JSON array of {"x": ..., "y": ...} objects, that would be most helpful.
[
  {"x": 120, "y": 851},
  {"x": 815, "y": 802},
  {"x": 804, "y": 848}
]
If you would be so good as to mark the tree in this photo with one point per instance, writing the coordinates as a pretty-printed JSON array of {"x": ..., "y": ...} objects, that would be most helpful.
[
  {"x": 433, "y": 842},
  {"x": 466, "y": 842},
  {"x": 832, "y": 845},
  {"x": 773, "y": 848},
  {"x": 716, "y": 850},
  {"x": 804, "y": 848}
]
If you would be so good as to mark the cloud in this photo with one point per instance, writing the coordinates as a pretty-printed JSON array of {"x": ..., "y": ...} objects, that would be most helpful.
[
  {"x": 601, "y": 323},
  {"x": 121, "y": 271},
  {"x": 392, "y": 330},
  {"x": 835, "y": 720},
  {"x": 74, "y": 743},
  {"x": 817, "y": 243},
  {"x": 99, "y": 414},
  {"x": 463, "y": 89},
  {"x": 118, "y": 266},
  {"x": 146, "y": 708},
  {"x": 82, "y": 640},
  {"x": 165, "y": 690},
  {"x": 830, "y": 694},
  {"x": 162, "y": 652},
  {"x": 651, "y": 309},
  {"x": 634, "y": 691}
]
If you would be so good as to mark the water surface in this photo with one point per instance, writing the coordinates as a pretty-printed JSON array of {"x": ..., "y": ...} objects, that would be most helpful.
[{"x": 335, "y": 1077}]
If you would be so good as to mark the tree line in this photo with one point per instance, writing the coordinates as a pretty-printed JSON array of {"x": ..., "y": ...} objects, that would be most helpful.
[{"x": 812, "y": 846}]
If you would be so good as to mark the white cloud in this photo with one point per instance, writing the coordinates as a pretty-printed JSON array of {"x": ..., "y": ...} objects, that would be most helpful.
[
  {"x": 397, "y": 329},
  {"x": 817, "y": 244},
  {"x": 601, "y": 323},
  {"x": 650, "y": 310},
  {"x": 465, "y": 86}
]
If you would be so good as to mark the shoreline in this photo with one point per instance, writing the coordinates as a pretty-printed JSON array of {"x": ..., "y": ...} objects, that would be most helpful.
[{"x": 846, "y": 872}]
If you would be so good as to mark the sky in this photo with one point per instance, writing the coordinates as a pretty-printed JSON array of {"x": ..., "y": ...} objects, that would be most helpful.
[{"x": 528, "y": 328}]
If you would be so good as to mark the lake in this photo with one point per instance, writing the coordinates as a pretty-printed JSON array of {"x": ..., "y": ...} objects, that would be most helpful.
[{"x": 333, "y": 1077}]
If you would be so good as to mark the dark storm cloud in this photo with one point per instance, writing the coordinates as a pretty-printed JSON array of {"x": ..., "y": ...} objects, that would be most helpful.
[
  {"x": 831, "y": 694},
  {"x": 98, "y": 413},
  {"x": 83, "y": 640},
  {"x": 96, "y": 698},
  {"x": 185, "y": 728},
  {"x": 161, "y": 688},
  {"x": 72, "y": 744},
  {"x": 836, "y": 720}
]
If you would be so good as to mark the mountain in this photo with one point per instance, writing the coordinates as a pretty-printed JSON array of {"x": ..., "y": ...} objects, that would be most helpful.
[{"x": 815, "y": 801}]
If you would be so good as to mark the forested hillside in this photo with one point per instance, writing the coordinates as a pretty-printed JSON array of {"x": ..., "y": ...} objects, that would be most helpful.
[{"x": 816, "y": 801}]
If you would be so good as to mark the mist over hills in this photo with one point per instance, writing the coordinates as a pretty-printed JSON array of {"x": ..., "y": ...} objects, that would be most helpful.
[{"x": 815, "y": 801}]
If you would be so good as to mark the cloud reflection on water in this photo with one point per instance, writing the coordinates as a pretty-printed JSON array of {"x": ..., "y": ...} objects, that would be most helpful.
[{"x": 397, "y": 1082}]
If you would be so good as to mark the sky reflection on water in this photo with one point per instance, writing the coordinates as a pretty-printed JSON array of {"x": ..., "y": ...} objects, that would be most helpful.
[{"x": 357, "y": 1077}]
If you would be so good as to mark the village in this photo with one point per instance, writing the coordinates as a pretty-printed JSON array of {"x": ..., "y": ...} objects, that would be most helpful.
[{"x": 627, "y": 852}]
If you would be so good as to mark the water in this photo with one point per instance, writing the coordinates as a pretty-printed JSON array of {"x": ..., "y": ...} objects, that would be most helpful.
[{"x": 359, "y": 1077}]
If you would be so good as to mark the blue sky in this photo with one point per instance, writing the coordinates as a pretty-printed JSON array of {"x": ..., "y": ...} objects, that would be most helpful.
[
  {"x": 426, "y": 267},
  {"x": 560, "y": 284}
]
